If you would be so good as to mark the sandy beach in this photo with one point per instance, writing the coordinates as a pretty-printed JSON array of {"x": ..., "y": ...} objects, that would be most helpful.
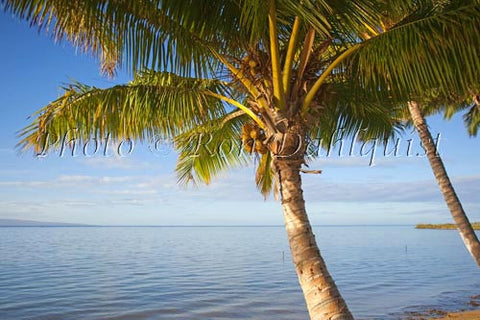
[
  {"x": 462, "y": 313},
  {"x": 467, "y": 315}
]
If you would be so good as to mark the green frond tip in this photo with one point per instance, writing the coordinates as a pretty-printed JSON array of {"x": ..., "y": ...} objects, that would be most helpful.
[
  {"x": 210, "y": 149},
  {"x": 472, "y": 119},
  {"x": 438, "y": 51},
  {"x": 153, "y": 105}
]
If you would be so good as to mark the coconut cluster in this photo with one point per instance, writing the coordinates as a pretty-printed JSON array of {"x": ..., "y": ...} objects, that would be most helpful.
[
  {"x": 253, "y": 138},
  {"x": 250, "y": 65}
]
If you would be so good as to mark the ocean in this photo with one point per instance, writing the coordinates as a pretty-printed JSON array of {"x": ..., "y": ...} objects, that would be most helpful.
[{"x": 383, "y": 272}]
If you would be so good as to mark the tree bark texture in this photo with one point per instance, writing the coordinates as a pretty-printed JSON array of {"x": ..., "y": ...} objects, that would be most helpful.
[{"x": 323, "y": 299}]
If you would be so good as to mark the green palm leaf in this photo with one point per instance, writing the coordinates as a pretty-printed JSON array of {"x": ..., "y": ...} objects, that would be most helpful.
[
  {"x": 164, "y": 35},
  {"x": 439, "y": 51},
  {"x": 207, "y": 150},
  {"x": 472, "y": 118},
  {"x": 340, "y": 112},
  {"x": 179, "y": 36},
  {"x": 153, "y": 105}
]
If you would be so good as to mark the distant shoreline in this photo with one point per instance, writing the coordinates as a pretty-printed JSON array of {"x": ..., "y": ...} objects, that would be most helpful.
[
  {"x": 15, "y": 223},
  {"x": 445, "y": 226}
]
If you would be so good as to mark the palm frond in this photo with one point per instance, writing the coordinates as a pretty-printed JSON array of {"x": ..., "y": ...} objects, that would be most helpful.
[
  {"x": 434, "y": 102},
  {"x": 341, "y": 20},
  {"x": 179, "y": 36},
  {"x": 339, "y": 112},
  {"x": 154, "y": 104},
  {"x": 264, "y": 176},
  {"x": 439, "y": 51},
  {"x": 207, "y": 150},
  {"x": 472, "y": 117},
  {"x": 175, "y": 36}
]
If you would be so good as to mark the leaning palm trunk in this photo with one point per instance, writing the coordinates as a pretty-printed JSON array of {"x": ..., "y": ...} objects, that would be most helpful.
[
  {"x": 323, "y": 299},
  {"x": 463, "y": 225}
]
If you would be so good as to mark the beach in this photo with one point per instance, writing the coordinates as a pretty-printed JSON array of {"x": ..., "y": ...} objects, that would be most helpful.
[
  {"x": 463, "y": 311},
  {"x": 466, "y": 315}
]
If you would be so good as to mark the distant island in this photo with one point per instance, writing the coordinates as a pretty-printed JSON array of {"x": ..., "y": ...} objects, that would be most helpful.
[
  {"x": 31, "y": 223},
  {"x": 445, "y": 226}
]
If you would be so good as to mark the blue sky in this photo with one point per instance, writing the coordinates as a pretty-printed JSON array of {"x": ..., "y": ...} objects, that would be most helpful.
[{"x": 140, "y": 188}]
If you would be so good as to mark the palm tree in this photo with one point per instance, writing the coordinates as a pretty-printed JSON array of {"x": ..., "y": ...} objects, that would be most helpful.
[
  {"x": 270, "y": 74},
  {"x": 451, "y": 103},
  {"x": 453, "y": 202}
]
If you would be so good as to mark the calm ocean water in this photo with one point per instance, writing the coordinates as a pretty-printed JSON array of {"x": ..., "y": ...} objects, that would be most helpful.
[{"x": 224, "y": 272}]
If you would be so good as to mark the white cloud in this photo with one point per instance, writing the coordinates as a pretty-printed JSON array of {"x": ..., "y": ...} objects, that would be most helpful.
[
  {"x": 116, "y": 162},
  {"x": 467, "y": 188},
  {"x": 379, "y": 160},
  {"x": 63, "y": 181},
  {"x": 93, "y": 179},
  {"x": 130, "y": 192},
  {"x": 23, "y": 184},
  {"x": 328, "y": 201}
]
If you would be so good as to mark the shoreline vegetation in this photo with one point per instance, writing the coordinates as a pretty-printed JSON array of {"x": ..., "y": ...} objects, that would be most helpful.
[{"x": 445, "y": 226}]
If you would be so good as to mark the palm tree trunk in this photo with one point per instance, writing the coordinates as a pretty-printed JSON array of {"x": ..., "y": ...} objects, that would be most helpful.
[
  {"x": 463, "y": 225},
  {"x": 323, "y": 299}
]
